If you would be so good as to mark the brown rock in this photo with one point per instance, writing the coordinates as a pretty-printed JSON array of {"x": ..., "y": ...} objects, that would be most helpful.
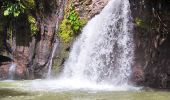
[
  {"x": 137, "y": 75},
  {"x": 4, "y": 67}
]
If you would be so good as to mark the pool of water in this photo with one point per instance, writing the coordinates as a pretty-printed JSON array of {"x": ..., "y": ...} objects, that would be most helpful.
[{"x": 22, "y": 90}]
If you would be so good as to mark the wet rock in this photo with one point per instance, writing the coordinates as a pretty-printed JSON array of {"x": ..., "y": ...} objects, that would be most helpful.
[
  {"x": 48, "y": 24},
  {"x": 151, "y": 33},
  {"x": 89, "y": 8},
  {"x": 137, "y": 75},
  {"x": 4, "y": 68},
  {"x": 31, "y": 53}
]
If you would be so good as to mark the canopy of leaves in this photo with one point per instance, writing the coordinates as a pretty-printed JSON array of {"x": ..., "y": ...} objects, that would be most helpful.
[{"x": 13, "y": 9}]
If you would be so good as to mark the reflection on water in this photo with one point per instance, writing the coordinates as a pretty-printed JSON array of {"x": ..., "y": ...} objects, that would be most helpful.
[{"x": 12, "y": 90}]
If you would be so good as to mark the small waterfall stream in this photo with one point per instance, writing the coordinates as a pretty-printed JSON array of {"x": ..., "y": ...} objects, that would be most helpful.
[
  {"x": 51, "y": 58},
  {"x": 11, "y": 73}
]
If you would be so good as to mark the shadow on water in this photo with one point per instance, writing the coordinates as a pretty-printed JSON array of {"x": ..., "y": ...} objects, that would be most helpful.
[{"x": 4, "y": 92}]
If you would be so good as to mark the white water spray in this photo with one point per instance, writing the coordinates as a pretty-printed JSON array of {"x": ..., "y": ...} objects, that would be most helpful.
[{"x": 102, "y": 56}]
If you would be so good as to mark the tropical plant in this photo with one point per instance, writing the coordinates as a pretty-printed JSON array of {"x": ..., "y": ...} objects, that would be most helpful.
[
  {"x": 13, "y": 8},
  {"x": 71, "y": 24}
]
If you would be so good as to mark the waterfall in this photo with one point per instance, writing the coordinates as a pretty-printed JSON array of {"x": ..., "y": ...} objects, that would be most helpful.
[
  {"x": 11, "y": 72},
  {"x": 102, "y": 56},
  {"x": 104, "y": 50},
  {"x": 51, "y": 58}
]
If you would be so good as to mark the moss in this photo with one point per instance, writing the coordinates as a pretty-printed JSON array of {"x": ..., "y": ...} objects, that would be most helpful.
[
  {"x": 71, "y": 24},
  {"x": 65, "y": 32},
  {"x": 138, "y": 21}
]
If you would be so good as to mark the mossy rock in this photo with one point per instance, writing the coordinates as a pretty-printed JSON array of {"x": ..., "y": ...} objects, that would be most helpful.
[{"x": 61, "y": 57}]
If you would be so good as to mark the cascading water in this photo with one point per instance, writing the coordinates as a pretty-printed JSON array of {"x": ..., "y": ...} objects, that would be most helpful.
[
  {"x": 104, "y": 50},
  {"x": 51, "y": 58},
  {"x": 102, "y": 56}
]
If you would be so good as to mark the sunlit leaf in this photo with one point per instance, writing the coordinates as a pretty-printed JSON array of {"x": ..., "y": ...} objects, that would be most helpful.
[
  {"x": 16, "y": 14},
  {"x": 6, "y": 12}
]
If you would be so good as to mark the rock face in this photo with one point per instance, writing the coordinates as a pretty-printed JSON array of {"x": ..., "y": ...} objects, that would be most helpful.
[
  {"x": 89, "y": 8},
  {"x": 31, "y": 54},
  {"x": 152, "y": 39},
  {"x": 86, "y": 9},
  {"x": 48, "y": 21},
  {"x": 4, "y": 67}
]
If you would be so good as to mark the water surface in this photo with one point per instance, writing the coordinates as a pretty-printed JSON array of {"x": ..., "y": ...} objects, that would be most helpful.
[{"x": 20, "y": 90}]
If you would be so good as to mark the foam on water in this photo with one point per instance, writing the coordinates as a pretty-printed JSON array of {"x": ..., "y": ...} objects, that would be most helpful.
[{"x": 72, "y": 84}]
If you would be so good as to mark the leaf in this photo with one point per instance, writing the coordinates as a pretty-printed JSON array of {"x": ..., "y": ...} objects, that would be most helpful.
[
  {"x": 71, "y": 17},
  {"x": 16, "y": 14},
  {"x": 22, "y": 6},
  {"x": 6, "y": 12},
  {"x": 31, "y": 19},
  {"x": 76, "y": 28}
]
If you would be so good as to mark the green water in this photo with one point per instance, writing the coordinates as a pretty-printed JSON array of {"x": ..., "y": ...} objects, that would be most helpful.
[{"x": 15, "y": 91}]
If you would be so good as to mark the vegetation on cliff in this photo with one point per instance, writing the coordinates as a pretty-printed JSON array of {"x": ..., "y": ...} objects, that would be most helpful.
[
  {"x": 13, "y": 10},
  {"x": 71, "y": 24}
]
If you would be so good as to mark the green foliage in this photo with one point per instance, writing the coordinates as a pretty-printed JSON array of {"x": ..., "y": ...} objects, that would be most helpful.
[
  {"x": 33, "y": 26},
  {"x": 66, "y": 33},
  {"x": 74, "y": 19},
  {"x": 71, "y": 25},
  {"x": 13, "y": 9}
]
